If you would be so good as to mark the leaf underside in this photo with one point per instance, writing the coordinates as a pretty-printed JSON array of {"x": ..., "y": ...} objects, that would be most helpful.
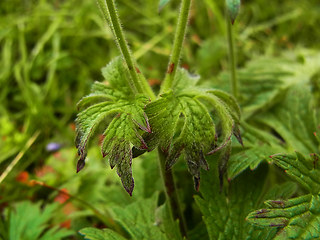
[
  {"x": 111, "y": 104},
  {"x": 184, "y": 122}
]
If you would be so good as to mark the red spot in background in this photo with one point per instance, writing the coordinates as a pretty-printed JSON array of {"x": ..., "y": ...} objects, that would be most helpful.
[
  {"x": 23, "y": 177},
  {"x": 44, "y": 170},
  {"x": 63, "y": 196},
  {"x": 138, "y": 70},
  {"x": 66, "y": 224},
  {"x": 154, "y": 82}
]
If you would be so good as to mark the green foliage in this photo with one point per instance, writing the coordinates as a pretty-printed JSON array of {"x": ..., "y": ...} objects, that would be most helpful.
[
  {"x": 29, "y": 221},
  {"x": 10, "y": 139},
  {"x": 286, "y": 111},
  {"x": 224, "y": 213},
  {"x": 50, "y": 55},
  {"x": 141, "y": 220},
  {"x": 297, "y": 218},
  {"x": 181, "y": 122},
  {"x": 117, "y": 102}
]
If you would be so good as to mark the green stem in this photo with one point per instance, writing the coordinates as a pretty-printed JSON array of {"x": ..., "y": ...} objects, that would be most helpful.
[
  {"x": 177, "y": 45},
  {"x": 232, "y": 60},
  {"x": 171, "y": 193},
  {"x": 137, "y": 81}
]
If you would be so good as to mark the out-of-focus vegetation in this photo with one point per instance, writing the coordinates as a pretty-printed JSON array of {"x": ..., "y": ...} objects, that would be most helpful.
[{"x": 52, "y": 51}]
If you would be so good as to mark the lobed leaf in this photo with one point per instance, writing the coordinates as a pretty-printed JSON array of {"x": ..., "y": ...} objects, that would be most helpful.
[
  {"x": 299, "y": 218},
  {"x": 31, "y": 221},
  {"x": 304, "y": 171},
  {"x": 182, "y": 122},
  {"x": 295, "y": 120},
  {"x": 121, "y": 113},
  {"x": 139, "y": 220},
  {"x": 224, "y": 212}
]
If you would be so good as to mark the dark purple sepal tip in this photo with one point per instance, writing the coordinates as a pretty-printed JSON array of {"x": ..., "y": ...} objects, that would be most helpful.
[
  {"x": 80, "y": 165},
  {"x": 196, "y": 183}
]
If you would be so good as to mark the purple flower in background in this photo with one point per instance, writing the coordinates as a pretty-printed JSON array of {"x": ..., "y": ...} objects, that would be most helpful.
[{"x": 53, "y": 147}]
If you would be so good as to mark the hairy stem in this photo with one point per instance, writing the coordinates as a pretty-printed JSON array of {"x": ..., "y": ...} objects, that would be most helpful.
[
  {"x": 232, "y": 60},
  {"x": 137, "y": 82},
  {"x": 177, "y": 45},
  {"x": 171, "y": 193}
]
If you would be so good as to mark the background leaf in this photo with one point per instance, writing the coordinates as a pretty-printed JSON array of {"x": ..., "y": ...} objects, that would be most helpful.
[
  {"x": 28, "y": 221},
  {"x": 297, "y": 218},
  {"x": 224, "y": 212},
  {"x": 100, "y": 234},
  {"x": 114, "y": 102}
]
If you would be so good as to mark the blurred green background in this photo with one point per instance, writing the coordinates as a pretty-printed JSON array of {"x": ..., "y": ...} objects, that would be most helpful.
[{"x": 52, "y": 51}]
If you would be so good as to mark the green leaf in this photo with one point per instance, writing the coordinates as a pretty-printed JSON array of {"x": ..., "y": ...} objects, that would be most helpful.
[
  {"x": 141, "y": 222},
  {"x": 224, "y": 212},
  {"x": 182, "y": 122},
  {"x": 100, "y": 234},
  {"x": 304, "y": 171},
  {"x": 258, "y": 147},
  {"x": 298, "y": 218},
  {"x": 165, "y": 223},
  {"x": 266, "y": 80},
  {"x": 162, "y": 3},
  {"x": 295, "y": 120},
  {"x": 290, "y": 125},
  {"x": 233, "y": 7},
  {"x": 142, "y": 219},
  {"x": 30, "y": 221},
  {"x": 113, "y": 105}
]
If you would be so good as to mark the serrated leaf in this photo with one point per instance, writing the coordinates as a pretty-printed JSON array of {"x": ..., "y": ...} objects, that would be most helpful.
[
  {"x": 258, "y": 147},
  {"x": 166, "y": 224},
  {"x": 304, "y": 171},
  {"x": 249, "y": 157},
  {"x": 299, "y": 218},
  {"x": 114, "y": 106},
  {"x": 295, "y": 120},
  {"x": 265, "y": 80},
  {"x": 233, "y": 7},
  {"x": 182, "y": 123},
  {"x": 224, "y": 212},
  {"x": 140, "y": 221},
  {"x": 30, "y": 221},
  {"x": 100, "y": 234}
]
